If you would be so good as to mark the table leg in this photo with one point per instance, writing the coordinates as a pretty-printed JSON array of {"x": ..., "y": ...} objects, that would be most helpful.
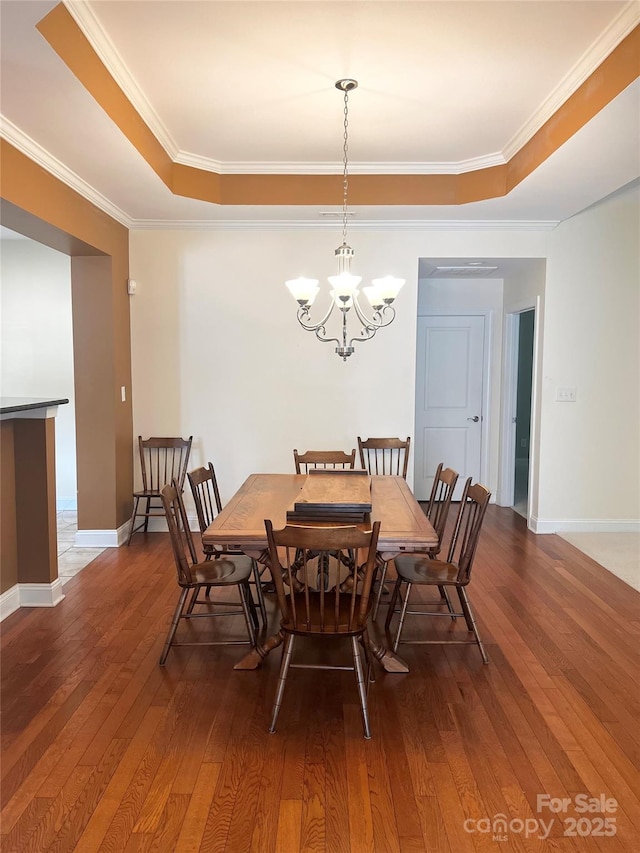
[
  {"x": 390, "y": 662},
  {"x": 254, "y": 658}
]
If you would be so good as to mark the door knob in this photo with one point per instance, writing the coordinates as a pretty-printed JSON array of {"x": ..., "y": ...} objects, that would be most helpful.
[{"x": 474, "y": 419}]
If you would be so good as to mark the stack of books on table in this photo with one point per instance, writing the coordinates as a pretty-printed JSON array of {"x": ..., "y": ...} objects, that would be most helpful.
[{"x": 339, "y": 497}]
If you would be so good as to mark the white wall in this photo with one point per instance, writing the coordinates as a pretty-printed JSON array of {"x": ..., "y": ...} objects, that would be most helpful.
[
  {"x": 466, "y": 296},
  {"x": 217, "y": 351},
  {"x": 590, "y": 449},
  {"x": 37, "y": 342}
]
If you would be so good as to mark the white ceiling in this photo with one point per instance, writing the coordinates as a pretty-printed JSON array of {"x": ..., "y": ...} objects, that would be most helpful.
[{"x": 249, "y": 86}]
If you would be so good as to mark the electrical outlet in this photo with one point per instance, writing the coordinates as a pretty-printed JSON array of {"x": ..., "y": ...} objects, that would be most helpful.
[
  {"x": 566, "y": 395},
  {"x": 123, "y": 393}
]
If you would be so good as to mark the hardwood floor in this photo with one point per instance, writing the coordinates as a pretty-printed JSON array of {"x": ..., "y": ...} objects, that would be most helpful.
[{"x": 105, "y": 751}]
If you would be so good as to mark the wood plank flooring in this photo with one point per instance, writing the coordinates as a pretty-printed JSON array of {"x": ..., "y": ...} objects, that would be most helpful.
[{"x": 102, "y": 750}]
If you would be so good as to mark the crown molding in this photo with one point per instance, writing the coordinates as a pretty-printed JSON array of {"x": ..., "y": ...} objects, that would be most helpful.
[
  {"x": 593, "y": 57},
  {"x": 85, "y": 18},
  {"x": 336, "y": 168},
  {"x": 363, "y": 225},
  {"x": 51, "y": 164}
]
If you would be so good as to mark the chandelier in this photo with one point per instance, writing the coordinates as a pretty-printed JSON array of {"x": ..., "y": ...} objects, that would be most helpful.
[{"x": 345, "y": 293}]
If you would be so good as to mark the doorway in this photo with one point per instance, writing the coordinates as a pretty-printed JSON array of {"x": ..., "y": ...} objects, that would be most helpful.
[
  {"x": 519, "y": 392},
  {"x": 37, "y": 343},
  {"x": 524, "y": 384}
]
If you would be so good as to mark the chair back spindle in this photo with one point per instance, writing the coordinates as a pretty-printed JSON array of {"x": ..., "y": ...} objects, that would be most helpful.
[
  {"x": 309, "y": 608},
  {"x": 385, "y": 455},
  {"x": 206, "y": 496},
  {"x": 466, "y": 533},
  {"x": 331, "y": 459},
  {"x": 444, "y": 483},
  {"x": 179, "y": 532},
  {"x": 162, "y": 460}
]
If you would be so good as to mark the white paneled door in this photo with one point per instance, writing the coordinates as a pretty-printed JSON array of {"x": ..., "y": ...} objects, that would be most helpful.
[{"x": 449, "y": 392}]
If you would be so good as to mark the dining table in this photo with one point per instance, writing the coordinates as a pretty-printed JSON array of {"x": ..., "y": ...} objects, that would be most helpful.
[{"x": 240, "y": 527}]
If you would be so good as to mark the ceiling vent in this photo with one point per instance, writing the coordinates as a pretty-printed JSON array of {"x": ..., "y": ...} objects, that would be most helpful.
[{"x": 460, "y": 271}]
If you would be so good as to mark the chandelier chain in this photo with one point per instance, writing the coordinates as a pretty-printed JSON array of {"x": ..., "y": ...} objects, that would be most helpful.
[{"x": 345, "y": 174}]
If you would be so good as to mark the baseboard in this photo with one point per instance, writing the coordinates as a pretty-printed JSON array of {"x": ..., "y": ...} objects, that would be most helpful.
[
  {"x": 102, "y": 538},
  {"x": 9, "y": 601},
  {"x": 584, "y": 525},
  {"x": 122, "y": 533},
  {"x": 30, "y": 595},
  {"x": 41, "y": 594},
  {"x": 116, "y": 538}
]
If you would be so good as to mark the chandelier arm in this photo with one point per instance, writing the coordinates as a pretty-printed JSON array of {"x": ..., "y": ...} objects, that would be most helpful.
[
  {"x": 365, "y": 335},
  {"x": 312, "y": 327},
  {"x": 367, "y": 332},
  {"x": 318, "y": 328},
  {"x": 377, "y": 321},
  {"x": 366, "y": 322},
  {"x": 321, "y": 331},
  {"x": 369, "y": 328},
  {"x": 386, "y": 309}
]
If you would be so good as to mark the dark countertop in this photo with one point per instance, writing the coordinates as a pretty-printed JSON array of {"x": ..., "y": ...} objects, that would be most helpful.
[{"x": 23, "y": 404}]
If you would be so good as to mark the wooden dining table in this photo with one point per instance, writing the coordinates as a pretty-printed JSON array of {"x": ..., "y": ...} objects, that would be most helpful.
[{"x": 240, "y": 526}]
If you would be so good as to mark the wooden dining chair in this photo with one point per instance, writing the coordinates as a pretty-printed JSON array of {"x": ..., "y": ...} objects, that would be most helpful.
[
  {"x": 437, "y": 511},
  {"x": 330, "y": 459},
  {"x": 455, "y": 572},
  {"x": 385, "y": 455},
  {"x": 206, "y": 497},
  {"x": 439, "y": 504},
  {"x": 162, "y": 460},
  {"x": 321, "y": 614},
  {"x": 193, "y": 576}
]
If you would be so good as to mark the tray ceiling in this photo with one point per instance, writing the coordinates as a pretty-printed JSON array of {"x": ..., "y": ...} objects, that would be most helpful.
[{"x": 248, "y": 88}]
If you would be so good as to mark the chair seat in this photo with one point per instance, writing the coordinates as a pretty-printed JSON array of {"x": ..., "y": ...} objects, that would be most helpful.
[
  {"x": 147, "y": 493},
  {"x": 336, "y": 628},
  {"x": 421, "y": 569},
  {"x": 226, "y": 570}
]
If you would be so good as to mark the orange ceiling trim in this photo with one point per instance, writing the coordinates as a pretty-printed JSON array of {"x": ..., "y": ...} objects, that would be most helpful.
[
  {"x": 196, "y": 183},
  {"x": 29, "y": 187},
  {"x": 70, "y": 43},
  {"x": 617, "y": 71}
]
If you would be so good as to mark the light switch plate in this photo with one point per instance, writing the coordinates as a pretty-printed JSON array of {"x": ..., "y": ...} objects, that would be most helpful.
[{"x": 566, "y": 395}]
